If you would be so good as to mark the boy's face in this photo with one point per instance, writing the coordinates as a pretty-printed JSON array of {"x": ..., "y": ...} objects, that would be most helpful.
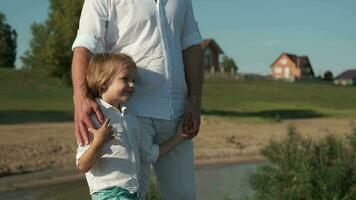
[{"x": 122, "y": 85}]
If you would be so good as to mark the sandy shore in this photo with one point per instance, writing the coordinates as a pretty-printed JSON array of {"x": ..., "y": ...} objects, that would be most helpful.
[{"x": 47, "y": 149}]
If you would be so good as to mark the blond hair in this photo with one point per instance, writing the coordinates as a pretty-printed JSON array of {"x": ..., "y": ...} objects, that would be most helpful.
[{"x": 102, "y": 68}]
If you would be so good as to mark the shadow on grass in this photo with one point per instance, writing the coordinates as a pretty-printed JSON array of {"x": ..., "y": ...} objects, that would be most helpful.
[
  {"x": 26, "y": 116},
  {"x": 279, "y": 114}
]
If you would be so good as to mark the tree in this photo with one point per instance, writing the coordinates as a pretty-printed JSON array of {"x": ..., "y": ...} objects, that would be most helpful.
[
  {"x": 8, "y": 45},
  {"x": 229, "y": 64},
  {"x": 50, "y": 46},
  {"x": 328, "y": 76},
  {"x": 36, "y": 57}
]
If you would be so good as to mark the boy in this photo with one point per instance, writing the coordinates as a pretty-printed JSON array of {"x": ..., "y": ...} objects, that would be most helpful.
[{"x": 111, "y": 163}]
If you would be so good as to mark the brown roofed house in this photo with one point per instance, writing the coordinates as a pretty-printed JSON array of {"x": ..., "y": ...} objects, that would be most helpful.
[
  {"x": 211, "y": 52},
  {"x": 291, "y": 67},
  {"x": 346, "y": 78}
]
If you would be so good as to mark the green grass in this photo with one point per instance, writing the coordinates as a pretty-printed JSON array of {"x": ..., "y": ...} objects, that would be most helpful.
[
  {"x": 31, "y": 96},
  {"x": 268, "y": 100},
  {"x": 28, "y": 95}
]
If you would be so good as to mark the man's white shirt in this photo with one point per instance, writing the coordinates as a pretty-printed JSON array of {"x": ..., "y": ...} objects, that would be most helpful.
[
  {"x": 154, "y": 34},
  {"x": 119, "y": 161}
]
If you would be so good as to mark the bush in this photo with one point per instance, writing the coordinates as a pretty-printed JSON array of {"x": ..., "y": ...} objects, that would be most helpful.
[{"x": 300, "y": 168}]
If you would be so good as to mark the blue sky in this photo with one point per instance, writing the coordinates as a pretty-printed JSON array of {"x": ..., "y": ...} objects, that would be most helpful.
[{"x": 253, "y": 32}]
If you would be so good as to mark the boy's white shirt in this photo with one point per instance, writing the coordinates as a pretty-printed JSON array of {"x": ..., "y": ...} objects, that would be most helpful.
[{"x": 118, "y": 164}]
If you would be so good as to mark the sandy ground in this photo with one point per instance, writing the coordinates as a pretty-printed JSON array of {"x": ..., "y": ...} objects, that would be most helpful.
[
  {"x": 49, "y": 146},
  {"x": 224, "y": 140}
]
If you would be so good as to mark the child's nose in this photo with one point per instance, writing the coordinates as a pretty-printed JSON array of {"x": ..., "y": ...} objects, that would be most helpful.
[{"x": 131, "y": 84}]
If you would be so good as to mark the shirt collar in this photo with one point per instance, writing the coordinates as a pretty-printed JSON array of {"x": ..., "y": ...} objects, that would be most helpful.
[{"x": 106, "y": 105}]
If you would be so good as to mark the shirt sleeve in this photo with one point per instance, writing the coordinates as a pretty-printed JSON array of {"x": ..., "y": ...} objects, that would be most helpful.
[
  {"x": 80, "y": 152},
  {"x": 190, "y": 34},
  {"x": 149, "y": 152},
  {"x": 82, "y": 149},
  {"x": 92, "y": 26}
]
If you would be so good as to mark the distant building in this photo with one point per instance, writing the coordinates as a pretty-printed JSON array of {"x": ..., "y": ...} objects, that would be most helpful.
[
  {"x": 211, "y": 53},
  {"x": 346, "y": 78},
  {"x": 291, "y": 67}
]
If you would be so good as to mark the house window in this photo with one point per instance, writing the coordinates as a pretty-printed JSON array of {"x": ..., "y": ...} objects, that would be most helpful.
[
  {"x": 284, "y": 61},
  {"x": 208, "y": 57},
  {"x": 307, "y": 70},
  {"x": 278, "y": 70},
  {"x": 286, "y": 72}
]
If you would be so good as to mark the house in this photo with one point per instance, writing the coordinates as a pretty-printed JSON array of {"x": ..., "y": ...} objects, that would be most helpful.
[
  {"x": 346, "y": 78},
  {"x": 211, "y": 53},
  {"x": 291, "y": 67}
]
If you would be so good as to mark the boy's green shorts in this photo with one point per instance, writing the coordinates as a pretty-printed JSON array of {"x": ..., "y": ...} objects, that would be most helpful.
[{"x": 114, "y": 193}]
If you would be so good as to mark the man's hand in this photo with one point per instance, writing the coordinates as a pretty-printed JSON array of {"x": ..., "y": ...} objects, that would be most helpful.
[
  {"x": 83, "y": 108},
  {"x": 181, "y": 133},
  {"x": 83, "y": 105},
  {"x": 191, "y": 120}
]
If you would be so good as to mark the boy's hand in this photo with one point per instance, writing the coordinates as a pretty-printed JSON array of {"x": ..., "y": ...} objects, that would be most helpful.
[{"x": 102, "y": 134}]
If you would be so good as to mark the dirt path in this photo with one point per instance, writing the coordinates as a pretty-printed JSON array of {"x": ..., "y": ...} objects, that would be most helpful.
[
  {"x": 224, "y": 141},
  {"x": 36, "y": 147}
]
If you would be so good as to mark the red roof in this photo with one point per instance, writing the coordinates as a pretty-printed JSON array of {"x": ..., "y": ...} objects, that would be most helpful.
[{"x": 300, "y": 61}]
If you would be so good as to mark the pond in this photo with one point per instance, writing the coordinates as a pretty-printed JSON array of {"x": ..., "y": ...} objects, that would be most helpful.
[{"x": 213, "y": 183}]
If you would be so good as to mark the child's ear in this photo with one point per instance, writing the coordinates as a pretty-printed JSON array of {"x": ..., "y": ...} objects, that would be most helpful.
[{"x": 103, "y": 89}]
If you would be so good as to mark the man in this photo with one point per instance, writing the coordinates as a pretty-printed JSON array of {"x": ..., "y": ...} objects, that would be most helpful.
[{"x": 164, "y": 40}]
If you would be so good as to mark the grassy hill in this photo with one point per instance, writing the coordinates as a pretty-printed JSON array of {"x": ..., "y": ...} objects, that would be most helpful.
[
  {"x": 30, "y": 96},
  {"x": 274, "y": 100}
]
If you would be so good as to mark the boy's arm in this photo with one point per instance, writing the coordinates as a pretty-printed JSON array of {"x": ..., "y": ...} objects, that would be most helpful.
[
  {"x": 89, "y": 157},
  {"x": 170, "y": 144},
  {"x": 151, "y": 152}
]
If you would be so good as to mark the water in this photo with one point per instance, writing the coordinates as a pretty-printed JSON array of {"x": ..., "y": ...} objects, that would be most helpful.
[
  {"x": 213, "y": 183},
  {"x": 225, "y": 183}
]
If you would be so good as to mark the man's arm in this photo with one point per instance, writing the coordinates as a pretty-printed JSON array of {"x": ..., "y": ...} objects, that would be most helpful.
[
  {"x": 90, "y": 40},
  {"x": 194, "y": 74},
  {"x": 83, "y": 105}
]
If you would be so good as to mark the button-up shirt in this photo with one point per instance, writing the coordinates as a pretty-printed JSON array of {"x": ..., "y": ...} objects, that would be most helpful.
[
  {"x": 154, "y": 35},
  {"x": 119, "y": 161}
]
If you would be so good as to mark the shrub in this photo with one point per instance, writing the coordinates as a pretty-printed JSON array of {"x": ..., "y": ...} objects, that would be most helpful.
[{"x": 300, "y": 168}]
